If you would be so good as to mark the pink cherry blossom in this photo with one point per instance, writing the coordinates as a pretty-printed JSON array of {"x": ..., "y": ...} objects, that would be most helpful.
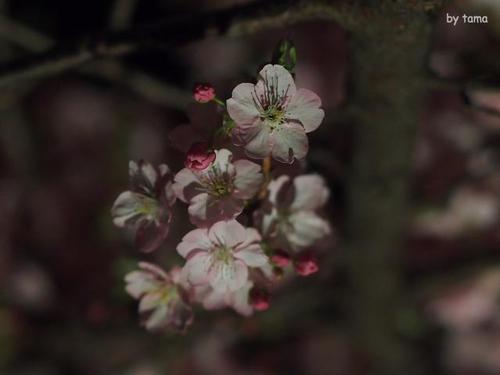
[
  {"x": 146, "y": 207},
  {"x": 218, "y": 192},
  {"x": 199, "y": 157},
  {"x": 222, "y": 255},
  {"x": 204, "y": 93},
  {"x": 164, "y": 301},
  {"x": 290, "y": 219},
  {"x": 238, "y": 300},
  {"x": 272, "y": 116}
]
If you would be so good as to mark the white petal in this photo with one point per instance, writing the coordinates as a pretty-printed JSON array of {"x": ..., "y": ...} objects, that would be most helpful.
[
  {"x": 158, "y": 319},
  {"x": 185, "y": 182},
  {"x": 228, "y": 233},
  {"x": 252, "y": 255},
  {"x": 248, "y": 179},
  {"x": 127, "y": 207},
  {"x": 241, "y": 107},
  {"x": 308, "y": 227},
  {"x": 197, "y": 239},
  {"x": 310, "y": 192},
  {"x": 228, "y": 276},
  {"x": 196, "y": 269},
  {"x": 304, "y": 107},
  {"x": 290, "y": 141},
  {"x": 279, "y": 78}
]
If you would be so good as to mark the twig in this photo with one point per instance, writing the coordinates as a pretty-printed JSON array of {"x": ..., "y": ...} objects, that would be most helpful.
[
  {"x": 121, "y": 14},
  {"x": 236, "y": 21}
]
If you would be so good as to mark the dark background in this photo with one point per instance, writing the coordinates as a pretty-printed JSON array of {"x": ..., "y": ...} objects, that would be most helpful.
[{"x": 65, "y": 142}]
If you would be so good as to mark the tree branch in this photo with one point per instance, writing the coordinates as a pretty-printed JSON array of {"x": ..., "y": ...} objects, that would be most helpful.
[{"x": 232, "y": 22}]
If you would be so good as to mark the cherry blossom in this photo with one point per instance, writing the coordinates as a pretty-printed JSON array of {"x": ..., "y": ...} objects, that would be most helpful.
[
  {"x": 218, "y": 192},
  {"x": 272, "y": 116},
  {"x": 222, "y": 255},
  {"x": 163, "y": 297},
  {"x": 146, "y": 207},
  {"x": 238, "y": 300},
  {"x": 290, "y": 219}
]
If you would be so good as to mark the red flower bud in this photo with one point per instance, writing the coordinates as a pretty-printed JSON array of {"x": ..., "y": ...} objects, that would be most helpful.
[
  {"x": 306, "y": 264},
  {"x": 203, "y": 93},
  {"x": 199, "y": 157},
  {"x": 281, "y": 258},
  {"x": 259, "y": 298}
]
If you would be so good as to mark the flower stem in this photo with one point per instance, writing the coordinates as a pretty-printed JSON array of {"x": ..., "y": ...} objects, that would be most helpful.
[
  {"x": 266, "y": 171},
  {"x": 219, "y": 102}
]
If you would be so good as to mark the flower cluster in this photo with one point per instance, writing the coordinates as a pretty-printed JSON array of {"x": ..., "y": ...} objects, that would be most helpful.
[{"x": 227, "y": 263}]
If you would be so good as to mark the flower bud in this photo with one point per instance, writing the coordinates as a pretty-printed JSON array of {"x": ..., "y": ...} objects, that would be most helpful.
[
  {"x": 259, "y": 298},
  {"x": 281, "y": 258},
  {"x": 199, "y": 157},
  {"x": 306, "y": 264},
  {"x": 204, "y": 93}
]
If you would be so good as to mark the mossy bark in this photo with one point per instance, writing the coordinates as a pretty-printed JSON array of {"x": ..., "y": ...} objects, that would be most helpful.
[{"x": 389, "y": 59}]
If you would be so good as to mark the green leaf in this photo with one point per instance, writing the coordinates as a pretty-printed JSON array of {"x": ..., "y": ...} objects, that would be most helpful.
[{"x": 285, "y": 54}]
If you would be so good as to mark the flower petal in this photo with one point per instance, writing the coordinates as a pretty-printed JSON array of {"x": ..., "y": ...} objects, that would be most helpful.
[
  {"x": 310, "y": 192},
  {"x": 196, "y": 269},
  {"x": 228, "y": 276},
  {"x": 308, "y": 227},
  {"x": 252, "y": 255},
  {"x": 227, "y": 233},
  {"x": 290, "y": 141},
  {"x": 185, "y": 185},
  {"x": 276, "y": 79},
  {"x": 197, "y": 239},
  {"x": 248, "y": 179},
  {"x": 126, "y": 210},
  {"x": 241, "y": 107},
  {"x": 304, "y": 107},
  {"x": 260, "y": 145}
]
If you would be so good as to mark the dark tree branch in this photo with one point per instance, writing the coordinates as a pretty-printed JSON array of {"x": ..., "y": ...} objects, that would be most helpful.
[{"x": 236, "y": 21}]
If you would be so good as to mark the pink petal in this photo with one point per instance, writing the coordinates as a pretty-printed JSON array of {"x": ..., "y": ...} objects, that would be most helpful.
[
  {"x": 223, "y": 161},
  {"x": 241, "y": 107},
  {"x": 304, "y": 107},
  {"x": 308, "y": 227},
  {"x": 196, "y": 269},
  {"x": 125, "y": 208},
  {"x": 252, "y": 236},
  {"x": 310, "y": 192},
  {"x": 290, "y": 142},
  {"x": 185, "y": 185},
  {"x": 277, "y": 76},
  {"x": 228, "y": 233},
  {"x": 262, "y": 142},
  {"x": 197, "y": 239},
  {"x": 252, "y": 256},
  {"x": 228, "y": 276},
  {"x": 198, "y": 207},
  {"x": 248, "y": 179}
]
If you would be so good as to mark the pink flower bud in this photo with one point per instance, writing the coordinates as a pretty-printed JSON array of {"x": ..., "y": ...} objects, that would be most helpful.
[
  {"x": 281, "y": 258},
  {"x": 306, "y": 264},
  {"x": 199, "y": 157},
  {"x": 259, "y": 298},
  {"x": 203, "y": 93}
]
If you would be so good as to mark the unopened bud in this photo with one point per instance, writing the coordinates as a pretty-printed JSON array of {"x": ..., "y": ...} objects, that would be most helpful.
[
  {"x": 199, "y": 157},
  {"x": 259, "y": 298},
  {"x": 204, "y": 93},
  {"x": 306, "y": 264}
]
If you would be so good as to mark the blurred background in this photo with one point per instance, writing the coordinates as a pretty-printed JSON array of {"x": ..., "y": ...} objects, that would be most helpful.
[{"x": 65, "y": 142}]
